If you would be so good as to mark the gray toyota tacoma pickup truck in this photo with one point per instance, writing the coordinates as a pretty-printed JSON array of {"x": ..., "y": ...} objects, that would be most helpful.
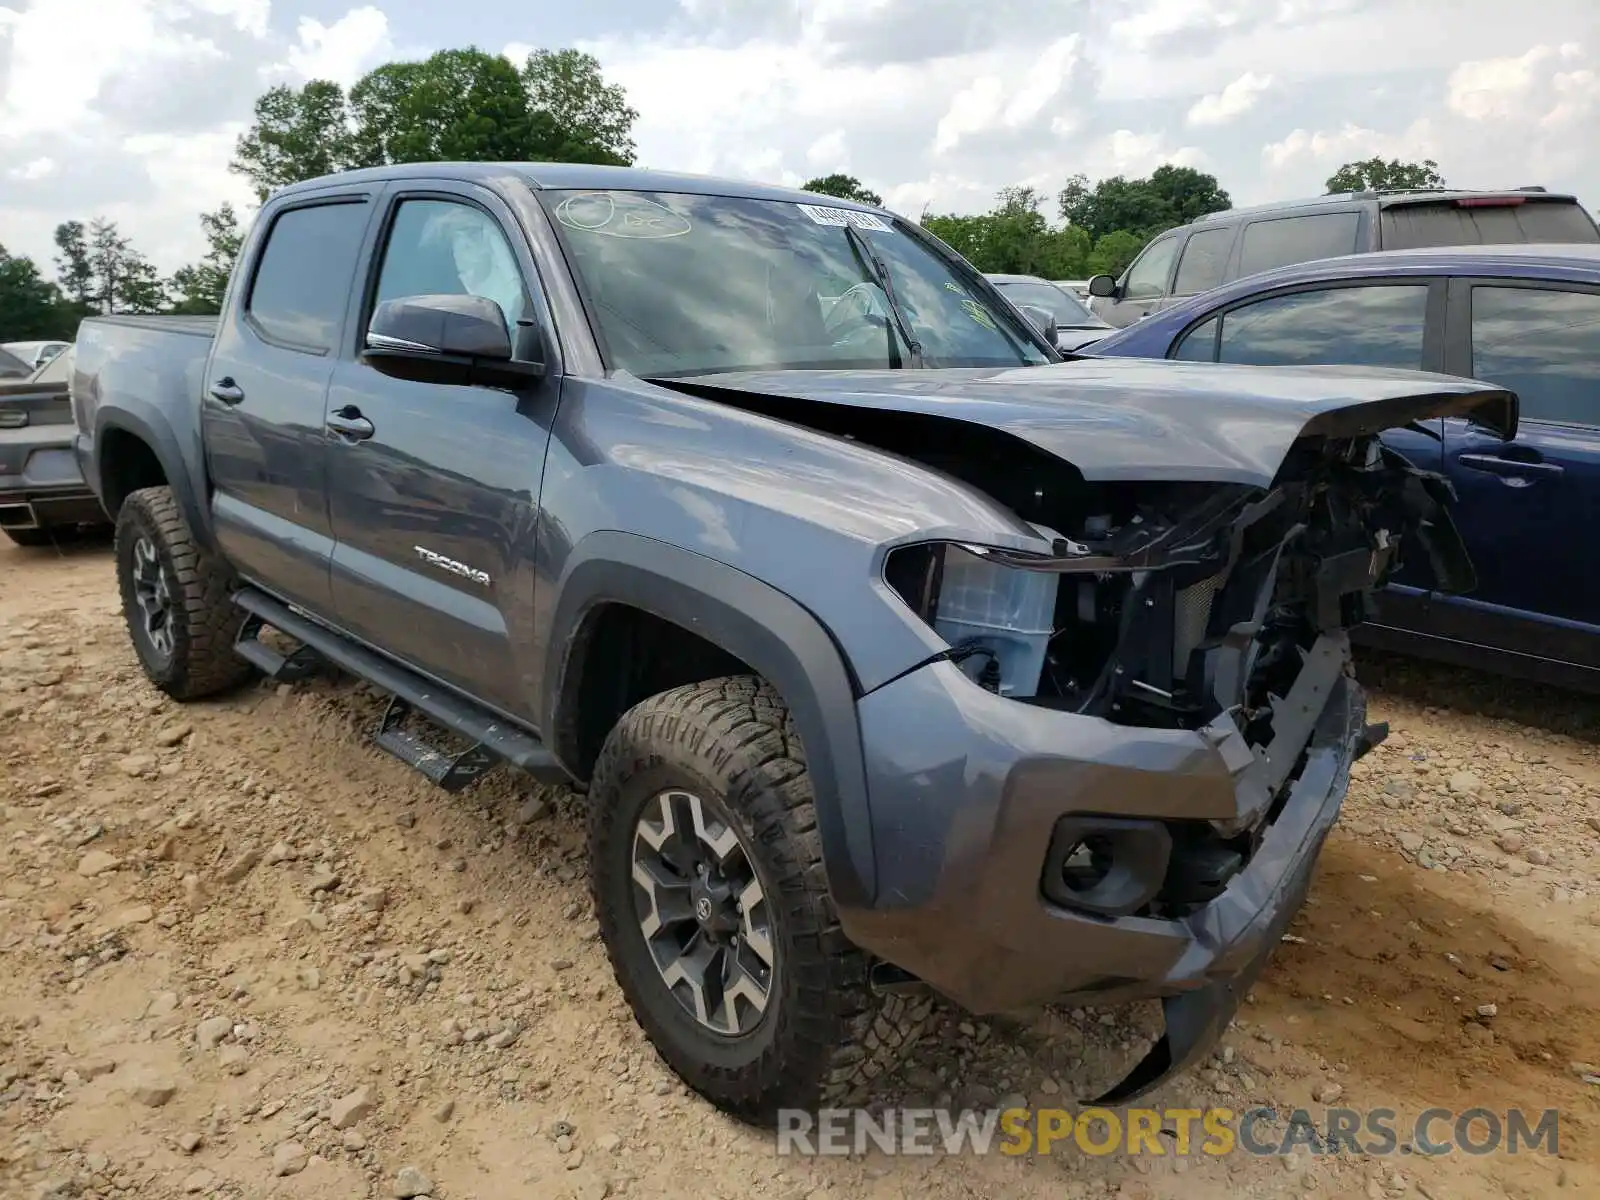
[{"x": 896, "y": 656}]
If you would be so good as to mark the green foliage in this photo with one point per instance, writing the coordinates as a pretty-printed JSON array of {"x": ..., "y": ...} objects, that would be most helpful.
[
  {"x": 30, "y": 305},
  {"x": 462, "y": 105},
  {"x": 846, "y": 187},
  {"x": 1113, "y": 252},
  {"x": 299, "y": 133},
  {"x": 579, "y": 116},
  {"x": 72, "y": 265},
  {"x": 457, "y": 105},
  {"x": 200, "y": 287},
  {"x": 1380, "y": 174},
  {"x": 1014, "y": 238},
  {"x": 1146, "y": 207},
  {"x": 123, "y": 279}
]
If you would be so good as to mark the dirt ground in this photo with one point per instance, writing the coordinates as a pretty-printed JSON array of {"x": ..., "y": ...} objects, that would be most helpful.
[{"x": 243, "y": 954}]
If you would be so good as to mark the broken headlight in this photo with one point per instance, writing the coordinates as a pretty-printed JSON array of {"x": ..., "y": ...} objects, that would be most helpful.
[{"x": 998, "y": 619}]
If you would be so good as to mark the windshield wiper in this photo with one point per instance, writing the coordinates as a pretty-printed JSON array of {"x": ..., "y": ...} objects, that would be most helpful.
[{"x": 878, "y": 270}]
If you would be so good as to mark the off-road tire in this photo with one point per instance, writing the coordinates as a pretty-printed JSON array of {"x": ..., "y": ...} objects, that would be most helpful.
[
  {"x": 31, "y": 537},
  {"x": 204, "y": 621},
  {"x": 825, "y": 1035}
]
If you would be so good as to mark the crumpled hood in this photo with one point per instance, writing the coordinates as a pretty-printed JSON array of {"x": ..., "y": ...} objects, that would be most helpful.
[{"x": 1133, "y": 419}]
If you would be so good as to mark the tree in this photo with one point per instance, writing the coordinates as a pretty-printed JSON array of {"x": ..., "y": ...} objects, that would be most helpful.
[
  {"x": 1113, "y": 252},
  {"x": 72, "y": 264},
  {"x": 846, "y": 187},
  {"x": 1171, "y": 196},
  {"x": 1377, "y": 174},
  {"x": 590, "y": 118},
  {"x": 105, "y": 273},
  {"x": 1188, "y": 193},
  {"x": 30, "y": 305},
  {"x": 299, "y": 133},
  {"x": 456, "y": 105},
  {"x": 200, "y": 287}
]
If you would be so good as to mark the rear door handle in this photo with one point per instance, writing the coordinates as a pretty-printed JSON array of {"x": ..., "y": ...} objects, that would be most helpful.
[
  {"x": 226, "y": 390},
  {"x": 348, "y": 422},
  {"x": 1510, "y": 469}
]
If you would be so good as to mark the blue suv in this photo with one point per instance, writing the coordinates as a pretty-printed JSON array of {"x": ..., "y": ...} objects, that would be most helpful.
[{"x": 1526, "y": 317}]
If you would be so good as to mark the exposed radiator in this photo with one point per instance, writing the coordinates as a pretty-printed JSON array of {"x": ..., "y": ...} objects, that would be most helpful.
[{"x": 1191, "y": 614}]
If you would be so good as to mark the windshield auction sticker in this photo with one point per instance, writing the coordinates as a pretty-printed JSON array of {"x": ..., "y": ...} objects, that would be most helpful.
[{"x": 844, "y": 216}]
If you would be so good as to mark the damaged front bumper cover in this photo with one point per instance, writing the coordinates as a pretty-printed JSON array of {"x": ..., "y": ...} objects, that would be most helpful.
[{"x": 972, "y": 788}]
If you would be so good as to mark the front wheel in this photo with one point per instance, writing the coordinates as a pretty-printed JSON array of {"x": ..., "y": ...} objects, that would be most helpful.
[
  {"x": 708, "y": 882},
  {"x": 176, "y": 599}
]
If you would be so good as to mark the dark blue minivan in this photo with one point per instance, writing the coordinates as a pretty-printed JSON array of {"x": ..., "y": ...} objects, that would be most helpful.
[{"x": 1526, "y": 317}]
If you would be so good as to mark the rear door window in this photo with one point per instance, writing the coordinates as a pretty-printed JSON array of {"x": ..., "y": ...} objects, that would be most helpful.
[
  {"x": 1543, "y": 344},
  {"x": 1147, "y": 277},
  {"x": 1285, "y": 240},
  {"x": 1378, "y": 325},
  {"x": 302, "y": 282},
  {"x": 1512, "y": 222},
  {"x": 1205, "y": 256}
]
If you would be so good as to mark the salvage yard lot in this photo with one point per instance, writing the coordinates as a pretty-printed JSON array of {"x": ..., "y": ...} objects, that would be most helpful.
[{"x": 251, "y": 859}]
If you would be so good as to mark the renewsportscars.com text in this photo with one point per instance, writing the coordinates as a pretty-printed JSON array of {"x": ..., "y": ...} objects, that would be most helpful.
[{"x": 1169, "y": 1131}]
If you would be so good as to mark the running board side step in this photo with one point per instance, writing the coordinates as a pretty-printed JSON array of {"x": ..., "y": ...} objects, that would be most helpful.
[{"x": 493, "y": 740}]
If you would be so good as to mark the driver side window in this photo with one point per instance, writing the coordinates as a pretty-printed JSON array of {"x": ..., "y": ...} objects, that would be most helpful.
[
  {"x": 440, "y": 247},
  {"x": 1147, "y": 277}
]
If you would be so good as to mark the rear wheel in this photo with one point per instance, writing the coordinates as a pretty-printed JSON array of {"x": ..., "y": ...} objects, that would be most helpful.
[
  {"x": 707, "y": 875},
  {"x": 176, "y": 599}
]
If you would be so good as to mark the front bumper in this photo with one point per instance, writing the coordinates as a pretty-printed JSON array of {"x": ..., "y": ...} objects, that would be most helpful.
[
  {"x": 41, "y": 483},
  {"x": 967, "y": 789}
]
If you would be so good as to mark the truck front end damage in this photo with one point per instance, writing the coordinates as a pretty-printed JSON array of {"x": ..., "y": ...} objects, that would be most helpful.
[{"x": 1115, "y": 783}]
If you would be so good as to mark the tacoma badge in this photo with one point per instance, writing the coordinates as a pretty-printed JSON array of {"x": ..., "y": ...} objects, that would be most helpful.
[{"x": 451, "y": 565}]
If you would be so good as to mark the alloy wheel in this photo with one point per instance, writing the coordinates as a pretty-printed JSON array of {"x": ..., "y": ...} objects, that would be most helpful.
[
  {"x": 153, "y": 594},
  {"x": 702, "y": 912}
]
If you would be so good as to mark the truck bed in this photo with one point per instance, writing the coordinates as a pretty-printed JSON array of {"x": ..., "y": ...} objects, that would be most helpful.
[{"x": 152, "y": 369}]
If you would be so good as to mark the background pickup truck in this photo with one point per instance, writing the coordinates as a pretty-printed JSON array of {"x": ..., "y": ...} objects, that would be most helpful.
[
  {"x": 42, "y": 492},
  {"x": 896, "y": 655}
]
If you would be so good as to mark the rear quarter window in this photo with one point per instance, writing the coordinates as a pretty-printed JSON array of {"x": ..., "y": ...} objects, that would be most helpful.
[
  {"x": 304, "y": 276},
  {"x": 1205, "y": 256},
  {"x": 1409, "y": 226},
  {"x": 1285, "y": 240}
]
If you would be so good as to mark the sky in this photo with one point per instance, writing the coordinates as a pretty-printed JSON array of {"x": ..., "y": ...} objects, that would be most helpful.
[{"x": 130, "y": 109}]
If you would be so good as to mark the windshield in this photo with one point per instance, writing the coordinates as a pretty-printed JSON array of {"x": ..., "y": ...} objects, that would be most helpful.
[
  {"x": 680, "y": 284},
  {"x": 56, "y": 370},
  {"x": 12, "y": 367},
  {"x": 1048, "y": 296}
]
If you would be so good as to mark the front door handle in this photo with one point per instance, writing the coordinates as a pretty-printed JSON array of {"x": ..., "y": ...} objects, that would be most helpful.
[
  {"x": 348, "y": 422},
  {"x": 227, "y": 391},
  {"x": 1516, "y": 472}
]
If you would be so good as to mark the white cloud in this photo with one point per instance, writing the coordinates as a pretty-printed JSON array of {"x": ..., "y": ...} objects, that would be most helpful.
[
  {"x": 974, "y": 109},
  {"x": 829, "y": 153},
  {"x": 130, "y": 108},
  {"x": 1348, "y": 143},
  {"x": 1238, "y": 98},
  {"x": 38, "y": 168},
  {"x": 344, "y": 50}
]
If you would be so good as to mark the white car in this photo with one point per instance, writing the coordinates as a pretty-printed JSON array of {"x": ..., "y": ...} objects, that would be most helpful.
[{"x": 35, "y": 354}]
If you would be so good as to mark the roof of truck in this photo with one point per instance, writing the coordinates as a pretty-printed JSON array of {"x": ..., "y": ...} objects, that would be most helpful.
[{"x": 579, "y": 176}]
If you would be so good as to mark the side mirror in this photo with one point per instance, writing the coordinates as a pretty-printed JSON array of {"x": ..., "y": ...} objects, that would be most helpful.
[
  {"x": 1043, "y": 319},
  {"x": 445, "y": 339},
  {"x": 1104, "y": 286}
]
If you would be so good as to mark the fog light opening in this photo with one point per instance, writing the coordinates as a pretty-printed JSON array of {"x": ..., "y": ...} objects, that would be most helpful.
[
  {"x": 1087, "y": 863},
  {"x": 1109, "y": 866}
]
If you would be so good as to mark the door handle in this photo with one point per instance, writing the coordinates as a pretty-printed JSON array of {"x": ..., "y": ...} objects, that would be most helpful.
[
  {"x": 226, "y": 390},
  {"x": 1516, "y": 472},
  {"x": 348, "y": 422}
]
